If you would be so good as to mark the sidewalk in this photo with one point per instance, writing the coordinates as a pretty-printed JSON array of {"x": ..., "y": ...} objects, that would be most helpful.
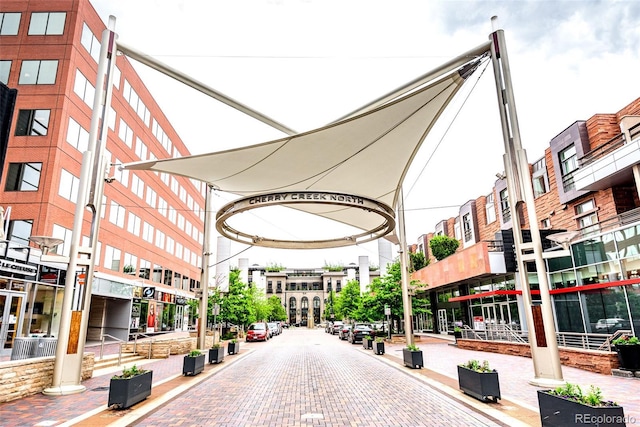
[{"x": 441, "y": 356}]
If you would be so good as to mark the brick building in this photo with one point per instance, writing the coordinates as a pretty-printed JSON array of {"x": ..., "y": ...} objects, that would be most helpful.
[
  {"x": 149, "y": 254},
  {"x": 586, "y": 182}
]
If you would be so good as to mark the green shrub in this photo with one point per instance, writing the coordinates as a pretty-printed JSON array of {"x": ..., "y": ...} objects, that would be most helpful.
[
  {"x": 413, "y": 347},
  {"x": 573, "y": 392},
  {"x": 130, "y": 372},
  {"x": 442, "y": 246},
  {"x": 194, "y": 353},
  {"x": 475, "y": 365}
]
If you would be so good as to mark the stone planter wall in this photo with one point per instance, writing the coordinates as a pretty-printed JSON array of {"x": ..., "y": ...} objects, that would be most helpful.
[
  {"x": 26, "y": 377},
  {"x": 162, "y": 349},
  {"x": 601, "y": 362}
]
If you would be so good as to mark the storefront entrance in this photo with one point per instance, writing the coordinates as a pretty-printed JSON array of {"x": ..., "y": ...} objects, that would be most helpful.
[{"x": 12, "y": 307}]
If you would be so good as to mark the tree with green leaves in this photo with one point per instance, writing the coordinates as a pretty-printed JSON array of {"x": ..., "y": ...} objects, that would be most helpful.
[
  {"x": 275, "y": 310},
  {"x": 442, "y": 246},
  {"x": 348, "y": 302},
  {"x": 417, "y": 261},
  {"x": 236, "y": 305}
]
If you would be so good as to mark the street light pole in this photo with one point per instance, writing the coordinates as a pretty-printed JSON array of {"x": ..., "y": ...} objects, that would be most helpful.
[{"x": 74, "y": 316}]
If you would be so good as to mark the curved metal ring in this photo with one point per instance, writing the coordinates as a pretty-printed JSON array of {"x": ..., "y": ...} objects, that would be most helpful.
[{"x": 299, "y": 197}]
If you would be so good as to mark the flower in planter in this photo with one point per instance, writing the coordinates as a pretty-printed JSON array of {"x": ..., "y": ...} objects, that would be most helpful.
[
  {"x": 626, "y": 340},
  {"x": 573, "y": 392},
  {"x": 475, "y": 365},
  {"x": 130, "y": 372}
]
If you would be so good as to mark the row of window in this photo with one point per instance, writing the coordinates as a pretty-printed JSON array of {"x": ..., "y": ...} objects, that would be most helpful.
[{"x": 41, "y": 23}]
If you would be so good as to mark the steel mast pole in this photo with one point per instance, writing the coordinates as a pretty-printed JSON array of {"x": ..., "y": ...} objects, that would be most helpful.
[{"x": 540, "y": 322}]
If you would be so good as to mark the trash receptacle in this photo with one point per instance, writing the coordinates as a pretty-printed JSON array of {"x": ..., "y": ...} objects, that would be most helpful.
[
  {"x": 46, "y": 347},
  {"x": 23, "y": 348}
]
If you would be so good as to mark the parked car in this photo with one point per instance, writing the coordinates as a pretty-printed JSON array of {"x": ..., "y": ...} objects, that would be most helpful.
[
  {"x": 358, "y": 332},
  {"x": 258, "y": 331},
  {"x": 609, "y": 325},
  {"x": 343, "y": 334},
  {"x": 336, "y": 327},
  {"x": 273, "y": 328}
]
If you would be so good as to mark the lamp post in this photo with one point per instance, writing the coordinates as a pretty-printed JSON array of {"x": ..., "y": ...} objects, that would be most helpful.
[{"x": 74, "y": 316}]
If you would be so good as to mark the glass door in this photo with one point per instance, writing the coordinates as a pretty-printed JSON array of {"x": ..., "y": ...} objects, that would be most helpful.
[
  {"x": 443, "y": 325},
  {"x": 505, "y": 314},
  {"x": 11, "y": 310},
  {"x": 489, "y": 313}
]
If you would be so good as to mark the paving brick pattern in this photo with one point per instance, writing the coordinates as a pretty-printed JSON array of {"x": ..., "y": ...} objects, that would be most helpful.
[{"x": 305, "y": 378}]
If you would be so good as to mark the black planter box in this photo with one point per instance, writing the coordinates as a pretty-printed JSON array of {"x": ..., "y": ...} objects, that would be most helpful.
[
  {"x": 193, "y": 365},
  {"x": 233, "y": 348},
  {"x": 480, "y": 385},
  {"x": 560, "y": 412},
  {"x": 367, "y": 344},
  {"x": 629, "y": 357},
  {"x": 412, "y": 359},
  {"x": 378, "y": 347},
  {"x": 126, "y": 392},
  {"x": 216, "y": 355}
]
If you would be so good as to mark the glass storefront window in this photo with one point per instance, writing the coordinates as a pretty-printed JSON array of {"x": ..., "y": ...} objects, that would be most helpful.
[
  {"x": 568, "y": 314},
  {"x": 633, "y": 296},
  {"x": 593, "y": 251},
  {"x": 605, "y": 310}
]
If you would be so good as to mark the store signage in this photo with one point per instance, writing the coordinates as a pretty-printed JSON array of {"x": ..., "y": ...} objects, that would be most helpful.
[
  {"x": 148, "y": 292},
  {"x": 180, "y": 300},
  {"x": 19, "y": 268}
]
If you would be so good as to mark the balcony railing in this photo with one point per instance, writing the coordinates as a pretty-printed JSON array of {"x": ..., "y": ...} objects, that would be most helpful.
[
  {"x": 609, "y": 146},
  {"x": 618, "y": 221}
]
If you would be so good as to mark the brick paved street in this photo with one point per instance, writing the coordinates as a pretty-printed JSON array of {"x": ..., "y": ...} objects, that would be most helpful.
[{"x": 307, "y": 377}]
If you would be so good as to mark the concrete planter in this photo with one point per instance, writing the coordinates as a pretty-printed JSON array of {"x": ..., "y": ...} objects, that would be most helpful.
[
  {"x": 216, "y": 355},
  {"x": 629, "y": 357},
  {"x": 480, "y": 385},
  {"x": 126, "y": 392},
  {"x": 378, "y": 347},
  {"x": 193, "y": 365},
  {"x": 412, "y": 359},
  {"x": 233, "y": 348},
  {"x": 556, "y": 411},
  {"x": 367, "y": 344}
]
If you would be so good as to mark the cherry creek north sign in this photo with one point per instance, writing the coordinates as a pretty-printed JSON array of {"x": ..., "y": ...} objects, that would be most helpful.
[{"x": 293, "y": 198}]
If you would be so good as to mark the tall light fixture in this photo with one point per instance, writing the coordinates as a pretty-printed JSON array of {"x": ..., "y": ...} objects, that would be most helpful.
[
  {"x": 540, "y": 322},
  {"x": 74, "y": 316}
]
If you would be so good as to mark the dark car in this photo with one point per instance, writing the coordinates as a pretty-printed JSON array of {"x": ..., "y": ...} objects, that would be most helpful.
[
  {"x": 336, "y": 327},
  {"x": 358, "y": 332},
  {"x": 343, "y": 333},
  {"x": 258, "y": 331}
]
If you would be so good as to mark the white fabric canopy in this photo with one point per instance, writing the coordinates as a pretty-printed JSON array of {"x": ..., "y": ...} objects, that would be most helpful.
[{"x": 365, "y": 155}]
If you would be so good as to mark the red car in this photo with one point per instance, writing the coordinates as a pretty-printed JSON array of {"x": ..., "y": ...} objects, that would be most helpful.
[{"x": 258, "y": 331}]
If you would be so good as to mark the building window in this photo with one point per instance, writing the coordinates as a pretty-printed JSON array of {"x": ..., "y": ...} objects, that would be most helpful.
[
  {"x": 504, "y": 206},
  {"x": 20, "y": 231},
  {"x": 38, "y": 72},
  {"x": 112, "y": 258},
  {"x": 9, "y": 24},
  {"x": 32, "y": 122},
  {"x": 587, "y": 216},
  {"x": 151, "y": 197},
  {"x": 539, "y": 178},
  {"x": 5, "y": 69},
  {"x": 90, "y": 42},
  {"x": 133, "y": 224},
  {"x": 117, "y": 214},
  {"x": 141, "y": 150},
  {"x": 145, "y": 269},
  {"x": 23, "y": 177},
  {"x": 490, "y": 209},
  {"x": 129, "y": 264},
  {"x": 545, "y": 223},
  {"x": 77, "y": 136},
  {"x": 137, "y": 186},
  {"x": 47, "y": 23},
  {"x": 466, "y": 226},
  {"x": 65, "y": 234},
  {"x": 456, "y": 229},
  {"x": 568, "y": 164},
  {"x": 125, "y": 133},
  {"x": 84, "y": 89},
  {"x": 147, "y": 232},
  {"x": 69, "y": 185}
]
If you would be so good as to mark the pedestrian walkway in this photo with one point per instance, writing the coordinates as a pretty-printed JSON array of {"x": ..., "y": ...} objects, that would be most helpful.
[{"x": 517, "y": 406}]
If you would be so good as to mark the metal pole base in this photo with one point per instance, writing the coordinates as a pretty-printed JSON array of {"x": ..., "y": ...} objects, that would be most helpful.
[
  {"x": 63, "y": 390},
  {"x": 547, "y": 382}
]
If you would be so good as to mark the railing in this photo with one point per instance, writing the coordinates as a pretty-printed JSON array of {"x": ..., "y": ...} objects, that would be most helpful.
[
  {"x": 618, "y": 221},
  {"x": 585, "y": 341},
  {"x": 608, "y": 147},
  {"x": 135, "y": 343},
  {"x": 495, "y": 332},
  {"x": 118, "y": 340}
]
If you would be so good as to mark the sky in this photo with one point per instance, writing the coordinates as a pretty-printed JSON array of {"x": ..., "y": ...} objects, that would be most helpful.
[{"x": 306, "y": 63}]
